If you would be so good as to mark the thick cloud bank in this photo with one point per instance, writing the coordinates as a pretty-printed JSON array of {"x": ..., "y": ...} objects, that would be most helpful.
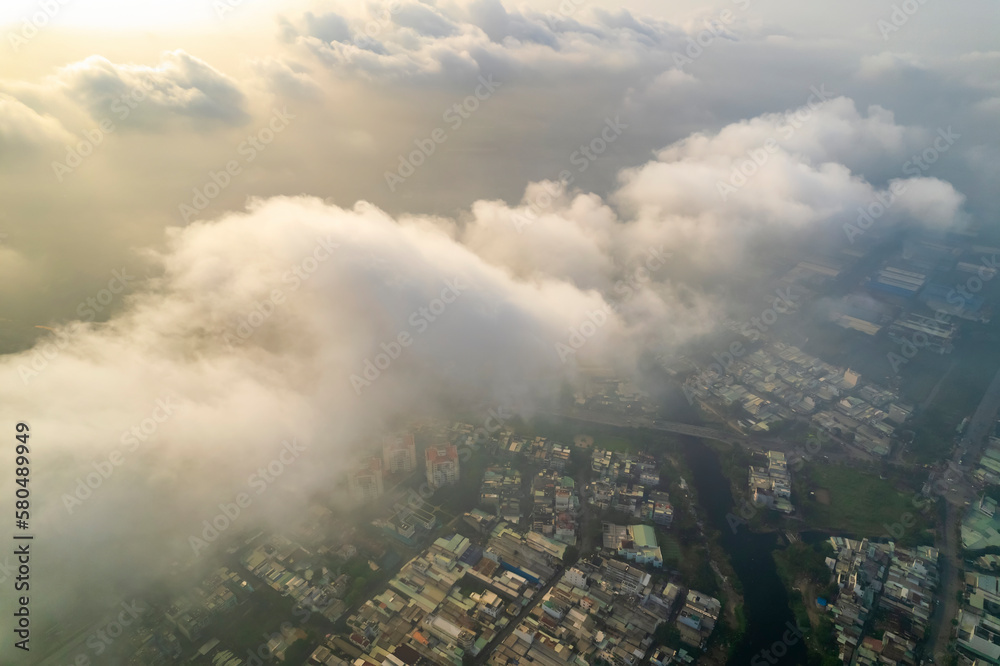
[
  {"x": 300, "y": 321},
  {"x": 609, "y": 197}
]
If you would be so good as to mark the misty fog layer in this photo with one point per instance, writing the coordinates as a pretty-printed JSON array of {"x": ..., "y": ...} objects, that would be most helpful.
[{"x": 474, "y": 205}]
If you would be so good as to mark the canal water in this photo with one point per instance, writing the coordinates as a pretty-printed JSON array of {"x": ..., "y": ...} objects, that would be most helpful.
[{"x": 766, "y": 608}]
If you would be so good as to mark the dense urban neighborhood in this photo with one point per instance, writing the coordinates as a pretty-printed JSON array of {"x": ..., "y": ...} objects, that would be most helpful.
[
  {"x": 494, "y": 333},
  {"x": 591, "y": 536}
]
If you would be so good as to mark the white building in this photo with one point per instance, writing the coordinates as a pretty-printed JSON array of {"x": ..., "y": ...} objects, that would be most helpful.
[
  {"x": 399, "y": 453},
  {"x": 576, "y": 578},
  {"x": 441, "y": 465},
  {"x": 366, "y": 480}
]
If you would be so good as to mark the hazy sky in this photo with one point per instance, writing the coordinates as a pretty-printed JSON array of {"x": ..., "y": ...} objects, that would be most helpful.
[{"x": 483, "y": 177}]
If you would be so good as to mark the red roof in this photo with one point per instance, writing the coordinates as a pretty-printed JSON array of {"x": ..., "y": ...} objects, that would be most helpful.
[{"x": 435, "y": 453}]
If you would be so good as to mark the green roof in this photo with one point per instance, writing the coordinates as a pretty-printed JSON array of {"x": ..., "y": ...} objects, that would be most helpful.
[
  {"x": 644, "y": 536},
  {"x": 452, "y": 543}
]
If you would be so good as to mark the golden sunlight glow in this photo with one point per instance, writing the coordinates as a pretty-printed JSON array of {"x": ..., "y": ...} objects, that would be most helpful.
[{"x": 127, "y": 13}]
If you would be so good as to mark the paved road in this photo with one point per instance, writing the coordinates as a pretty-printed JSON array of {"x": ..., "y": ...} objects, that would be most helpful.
[
  {"x": 666, "y": 426},
  {"x": 487, "y": 651},
  {"x": 586, "y": 539},
  {"x": 975, "y": 437},
  {"x": 948, "y": 593},
  {"x": 754, "y": 444}
]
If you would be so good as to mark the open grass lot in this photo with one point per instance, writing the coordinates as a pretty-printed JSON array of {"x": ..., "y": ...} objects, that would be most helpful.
[
  {"x": 670, "y": 548},
  {"x": 605, "y": 437},
  {"x": 617, "y": 444},
  {"x": 566, "y": 432},
  {"x": 859, "y": 503}
]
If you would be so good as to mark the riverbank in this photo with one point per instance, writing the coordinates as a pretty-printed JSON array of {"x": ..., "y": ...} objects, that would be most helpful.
[{"x": 765, "y": 604}]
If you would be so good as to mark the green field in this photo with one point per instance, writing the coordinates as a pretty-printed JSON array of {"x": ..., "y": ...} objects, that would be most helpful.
[
  {"x": 670, "y": 548},
  {"x": 616, "y": 444},
  {"x": 861, "y": 504},
  {"x": 566, "y": 432},
  {"x": 605, "y": 436}
]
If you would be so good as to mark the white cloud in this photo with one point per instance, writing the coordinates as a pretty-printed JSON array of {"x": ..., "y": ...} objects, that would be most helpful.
[
  {"x": 179, "y": 86},
  {"x": 22, "y": 127},
  {"x": 422, "y": 40},
  {"x": 287, "y": 79},
  {"x": 528, "y": 287}
]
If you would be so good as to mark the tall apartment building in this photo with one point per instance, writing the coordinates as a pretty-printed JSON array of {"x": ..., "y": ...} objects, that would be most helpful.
[
  {"x": 625, "y": 578},
  {"x": 366, "y": 480},
  {"x": 399, "y": 453},
  {"x": 441, "y": 465}
]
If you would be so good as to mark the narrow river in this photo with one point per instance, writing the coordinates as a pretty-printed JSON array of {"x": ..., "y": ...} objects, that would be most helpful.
[
  {"x": 765, "y": 600},
  {"x": 766, "y": 603}
]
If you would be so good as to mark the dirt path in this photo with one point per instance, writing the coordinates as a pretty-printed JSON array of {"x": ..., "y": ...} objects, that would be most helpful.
[{"x": 809, "y": 594}]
